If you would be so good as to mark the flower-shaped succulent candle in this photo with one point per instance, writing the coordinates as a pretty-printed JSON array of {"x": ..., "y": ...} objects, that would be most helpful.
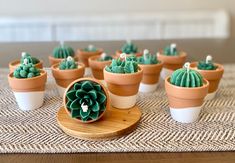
[
  {"x": 123, "y": 78},
  {"x": 86, "y": 100},
  {"x": 28, "y": 85},
  {"x": 171, "y": 58},
  {"x": 66, "y": 72},
  {"x": 129, "y": 48},
  {"x": 211, "y": 71},
  {"x": 186, "y": 89},
  {"x": 24, "y": 55},
  {"x": 98, "y": 63},
  {"x": 151, "y": 71}
]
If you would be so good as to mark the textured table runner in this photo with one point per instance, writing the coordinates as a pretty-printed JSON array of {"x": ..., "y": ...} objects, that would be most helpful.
[{"x": 37, "y": 131}]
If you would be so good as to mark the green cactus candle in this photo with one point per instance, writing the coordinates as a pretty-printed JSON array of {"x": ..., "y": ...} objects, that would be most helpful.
[
  {"x": 186, "y": 77},
  {"x": 63, "y": 51},
  {"x": 68, "y": 64},
  {"x": 26, "y": 70},
  {"x": 105, "y": 57},
  {"x": 147, "y": 58},
  {"x": 124, "y": 65},
  {"x": 170, "y": 50},
  {"x": 90, "y": 48},
  {"x": 207, "y": 64},
  {"x": 129, "y": 48},
  {"x": 30, "y": 59},
  {"x": 86, "y": 100}
]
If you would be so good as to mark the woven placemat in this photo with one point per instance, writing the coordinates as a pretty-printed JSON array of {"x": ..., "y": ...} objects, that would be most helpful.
[{"x": 37, "y": 131}]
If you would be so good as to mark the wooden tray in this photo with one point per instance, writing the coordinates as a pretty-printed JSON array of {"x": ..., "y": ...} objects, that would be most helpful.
[{"x": 115, "y": 123}]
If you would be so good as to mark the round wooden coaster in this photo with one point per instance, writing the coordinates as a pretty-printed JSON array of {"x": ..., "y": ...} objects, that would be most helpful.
[{"x": 115, "y": 123}]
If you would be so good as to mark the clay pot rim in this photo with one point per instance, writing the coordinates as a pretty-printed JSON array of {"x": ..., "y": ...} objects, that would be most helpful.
[
  {"x": 94, "y": 59},
  {"x": 59, "y": 59},
  {"x": 18, "y": 61},
  {"x": 140, "y": 70},
  {"x": 54, "y": 67},
  {"x": 99, "y": 50},
  {"x": 96, "y": 81},
  {"x": 205, "y": 84},
  {"x": 151, "y": 65},
  {"x": 42, "y": 73},
  {"x": 218, "y": 69},
  {"x": 181, "y": 54}
]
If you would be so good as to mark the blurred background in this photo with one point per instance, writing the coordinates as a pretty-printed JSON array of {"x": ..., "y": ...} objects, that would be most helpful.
[{"x": 86, "y": 20}]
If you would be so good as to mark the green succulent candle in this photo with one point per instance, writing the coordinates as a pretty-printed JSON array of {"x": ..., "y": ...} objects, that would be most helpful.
[
  {"x": 147, "y": 58},
  {"x": 26, "y": 70},
  {"x": 63, "y": 51},
  {"x": 170, "y": 50},
  {"x": 105, "y": 57},
  {"x": 186, "y": 77},
  {"x": 86, "y": 100},
  {"x": 90, "y": 48},
  {"x": 123, "y": 65},
  {"x": 129, "y": 48},
  {"x": 68, "y": 64},
  {"x": 207, "y": 64},
  {"x": 30, "y": 59}
]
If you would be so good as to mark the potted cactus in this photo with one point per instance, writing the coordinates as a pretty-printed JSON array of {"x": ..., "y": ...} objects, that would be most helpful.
[
  {"x": 66, "y": 72},
  {"x": 14, "y": 64},
  {"x": 28, "y": 85},
  {"x": 186, "y": 90},
  {"x": 86, "y": 100},
  {"x": 171, "y": 58},
  {"x": 129, "y": 48},
  {"x": 151, "y": 71},
  {"x": 212, "y": 72},
  {"x": 123, "y": 77},
  {"x": 98, "y": 63},
  {"x": 60, "y": 53}
]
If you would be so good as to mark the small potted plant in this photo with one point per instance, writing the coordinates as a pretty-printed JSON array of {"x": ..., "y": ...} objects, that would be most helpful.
[
  {"x": 186, "y": 90},
  {"x": 28, "y": 85},
  {"x": 151, "y": 71},
  {"x": 129, "y": 48},
  {"x": 123, "y": 77},
  {"x": 86, "y": 100},
  {"x": 60, "y": 53},
  {"x": 14, "y": 64},
  {"x": 212, "y": 72},
  {"x": 172, "y": 59},
  {"x": 98, "y": 63},
  {"x": 66, "y": 72}
]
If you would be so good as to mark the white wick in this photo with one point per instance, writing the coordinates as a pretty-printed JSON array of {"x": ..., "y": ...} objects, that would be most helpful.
[
  {"x": 173, "y": 46},
  {"x": 62, "y": 43},
  {"x": 208, "y": 59},
  {"x": 90, "y": 47},
  {"x": 128, "y": 41},
  {"x": 23, "y": 54},
  {"x": 25, "y": 61},
  {"x": 103, "y": 55},
  {"x": 187, "y": 66},
  {"x": 69, "y": 58},
  {"x": 123, "y": 56},
  {"x": 146, "y": 51},
  {"x": 84, "y": 107}
]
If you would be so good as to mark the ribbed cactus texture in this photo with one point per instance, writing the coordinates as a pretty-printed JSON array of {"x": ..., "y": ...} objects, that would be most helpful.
[
  {"x": 148, "y": 58},
  {"x": 68, "y": 64},
  {"x": 129, "y": 48},
  {"x": 207, "y": 64},
  {"x": 30, "y": 59},
  {"x": 186, "y": 77},
  {"x": 170, "y": 50},
  {"x": 63, "y": 51}
]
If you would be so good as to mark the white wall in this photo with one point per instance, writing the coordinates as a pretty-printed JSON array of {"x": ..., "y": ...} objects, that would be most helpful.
[{"x": 81, "y": 7}]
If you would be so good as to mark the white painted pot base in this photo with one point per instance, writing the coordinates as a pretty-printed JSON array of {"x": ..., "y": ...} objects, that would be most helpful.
[
  {"x": 61, "y": 90},
  {"x": 185, "y": 115},
  {"x": 122, "y": 102},
  {"x": 29, "y": 100},
  {"x": 165, "y": 73},
  {"x": 147, "y": 88},
  {"x": 210, "y": 96}
]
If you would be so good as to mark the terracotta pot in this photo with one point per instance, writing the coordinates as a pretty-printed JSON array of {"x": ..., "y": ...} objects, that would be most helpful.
[
  {"x": 171, "y": 63},
  {"x": 64, "y": 77},
  {"x": 118, "y": 52},
  {"x": 213, "y": 76},
  {"x": 53, "y": 60},
  {"x": 98, "y": 66},
  {"x": 29, "y": 92},
  {"x": 123, "y": 88},
  {"x": 185, "y": 103},
  {"x": 84, "y": 79},
  {"x": 14, "y": 64},
  {"x": 150, "y": 78},
  {"x": 84, "y": 55}
]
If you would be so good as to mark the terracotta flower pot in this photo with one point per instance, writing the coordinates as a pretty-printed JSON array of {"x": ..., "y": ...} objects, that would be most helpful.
[
  {"x": 53, "y": 60},
  {"x": 14, "y": 64},
  {"x": 185, "y": 103},
  {"x": 65, "y": 100},
  {"x": 171, "y": 63},
  {"x": 29, "y": 92},
  {"x": 98, "y": 66},
  {"x": 213, "y": 76},
  {"x": 123, "y": 88},
  {"x": 64, "y": 77},
  {"x": 150, "y": 78},
  {"x": 118, "y": 52}
]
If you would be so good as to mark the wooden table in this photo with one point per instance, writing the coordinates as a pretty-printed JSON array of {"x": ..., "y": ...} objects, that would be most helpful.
[{"x": 222, "y": 51}]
